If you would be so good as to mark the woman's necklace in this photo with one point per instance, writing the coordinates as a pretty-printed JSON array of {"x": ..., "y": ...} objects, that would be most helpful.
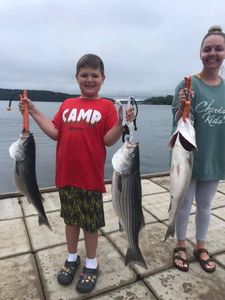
[{"x": 213, "y": 82}]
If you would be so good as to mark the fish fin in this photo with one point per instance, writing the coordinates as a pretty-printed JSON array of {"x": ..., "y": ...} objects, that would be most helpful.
[
  {"x": 42, "y": 220},
  {"x": 119, "y": 183},
  {"x": 135, "y": 257},
  {"x": 29, "y": 200},
  {"x": 186, "y": 144},
  {"x": 142, "y": 221},
  {"x": 121, "y": 227},
  {"x": 170, "y": 232},
  {"x": 169, "y": 209}
]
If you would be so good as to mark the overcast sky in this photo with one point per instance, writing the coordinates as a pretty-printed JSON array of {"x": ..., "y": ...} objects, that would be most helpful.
[{"x": 147, "y": 46}]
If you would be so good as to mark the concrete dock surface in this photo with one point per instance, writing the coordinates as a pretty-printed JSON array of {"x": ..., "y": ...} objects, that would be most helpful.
[{"x": 31, "y": 255}]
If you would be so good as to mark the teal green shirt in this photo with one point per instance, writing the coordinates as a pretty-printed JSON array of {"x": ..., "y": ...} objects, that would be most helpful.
[{"x": 208, "y": 114}]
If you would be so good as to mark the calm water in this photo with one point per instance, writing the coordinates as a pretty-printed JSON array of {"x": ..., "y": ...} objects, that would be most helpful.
[{"x": 153, "y": 123}]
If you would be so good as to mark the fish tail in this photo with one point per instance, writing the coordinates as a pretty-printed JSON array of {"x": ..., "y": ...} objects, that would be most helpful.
[
  {"x": 170, "y": 232},
  {"x": 43, "y": 220},
  {"x": 135, "y": 257}
]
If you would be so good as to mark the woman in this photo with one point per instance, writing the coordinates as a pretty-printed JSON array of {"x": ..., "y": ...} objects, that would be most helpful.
[{"x": 208, "y": 115}]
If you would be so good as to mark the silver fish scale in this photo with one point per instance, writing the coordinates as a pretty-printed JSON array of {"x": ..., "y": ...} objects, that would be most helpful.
[
  {"x": 25, "y": 174},
  {"x": 126, "y": 199}
]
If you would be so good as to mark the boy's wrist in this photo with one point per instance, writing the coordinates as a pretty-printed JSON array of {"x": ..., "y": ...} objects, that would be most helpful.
[{"x": 120, "y": 126}]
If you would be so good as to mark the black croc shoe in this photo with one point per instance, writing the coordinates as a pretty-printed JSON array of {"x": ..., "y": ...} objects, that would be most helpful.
[
  {"x": 87, "y": 281},
  {"x": 66, "y": 274}
]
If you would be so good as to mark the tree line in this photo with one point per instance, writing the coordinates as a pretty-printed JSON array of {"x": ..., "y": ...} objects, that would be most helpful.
[
  {"x": 159, "y": 100},
  {"x": 49, "y": 96},
  {"x": 35, "y": 95}
]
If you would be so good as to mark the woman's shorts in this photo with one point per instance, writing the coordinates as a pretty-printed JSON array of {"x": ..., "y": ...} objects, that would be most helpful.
[{"x": 82, "y": 207}]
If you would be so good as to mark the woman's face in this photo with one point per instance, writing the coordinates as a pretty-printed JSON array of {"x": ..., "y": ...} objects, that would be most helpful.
[{"x": 212, "y": 52}]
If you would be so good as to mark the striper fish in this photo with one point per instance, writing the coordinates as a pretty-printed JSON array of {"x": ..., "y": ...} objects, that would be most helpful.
[
  {"x": 23, "y": 153},
  {"x": 183, "y": 144},
  {"x": 127, "y": 198}
]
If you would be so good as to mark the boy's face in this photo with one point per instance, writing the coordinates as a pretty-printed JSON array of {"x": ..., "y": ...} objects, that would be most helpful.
[{"x": 90, "y": 81}]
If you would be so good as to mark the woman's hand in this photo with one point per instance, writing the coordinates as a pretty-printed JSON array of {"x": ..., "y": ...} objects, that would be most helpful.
[{"x": 182, "y": 100}]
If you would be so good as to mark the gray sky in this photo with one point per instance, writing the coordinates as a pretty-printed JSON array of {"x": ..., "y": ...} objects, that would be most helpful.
[{"x": 147, "y": 46}]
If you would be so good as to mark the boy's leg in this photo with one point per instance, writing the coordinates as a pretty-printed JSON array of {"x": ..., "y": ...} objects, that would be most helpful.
[
  {"x": 88, "y": 277},
  {"x": 72, "y": 237},
  {"x": 91, "y": 241},
  {"x": 92, "y": 219},
  {"x": 67, "y": 272}
]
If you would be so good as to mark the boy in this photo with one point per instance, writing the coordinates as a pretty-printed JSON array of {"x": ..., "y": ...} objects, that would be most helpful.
[{"x": 82, "y": 127}]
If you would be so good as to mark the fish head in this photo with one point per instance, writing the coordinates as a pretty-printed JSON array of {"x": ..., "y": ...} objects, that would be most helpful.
[
  {"x": 23, "y": 147},
  {"x": 126, "y": 159},
  {"x": 186, "y": 133},
  {"x": 133, "y": 150}
]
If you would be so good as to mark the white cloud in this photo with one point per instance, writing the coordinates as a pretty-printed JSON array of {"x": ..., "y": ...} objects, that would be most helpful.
[{"x": 147, "y": 46}]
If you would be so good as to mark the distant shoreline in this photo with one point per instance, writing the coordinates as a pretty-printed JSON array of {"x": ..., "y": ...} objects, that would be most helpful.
[{"x": 49, "y": 96}]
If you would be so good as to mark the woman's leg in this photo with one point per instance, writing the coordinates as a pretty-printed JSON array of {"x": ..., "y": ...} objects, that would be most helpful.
[
  {"x": 205, "y": 192},
  {"x": 182, "y": 221}
]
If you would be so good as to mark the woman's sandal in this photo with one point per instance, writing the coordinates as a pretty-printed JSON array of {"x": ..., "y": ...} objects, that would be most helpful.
[
  {"x": 185, "y": 266},
  {"x": 204, "y": 263}
]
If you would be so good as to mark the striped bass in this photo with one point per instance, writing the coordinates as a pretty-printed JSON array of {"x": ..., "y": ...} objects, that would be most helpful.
[
  {"x": 127, "y": 198},
  {"x": 183, "y": 144},
  {"x": 23, "y": 153}
]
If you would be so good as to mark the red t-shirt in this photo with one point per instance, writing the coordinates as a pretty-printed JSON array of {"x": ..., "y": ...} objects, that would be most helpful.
[{"x": 80, "y": 155}]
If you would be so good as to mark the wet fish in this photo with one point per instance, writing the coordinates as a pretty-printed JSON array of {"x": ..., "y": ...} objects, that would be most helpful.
[
  {"x": 23, "y": 153},
  {"x": 183, "y": 145},
  {"x": 127, "y": 198}
]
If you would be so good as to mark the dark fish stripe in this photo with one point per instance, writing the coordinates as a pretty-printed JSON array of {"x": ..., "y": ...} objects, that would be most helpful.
[{"x": 25, "y": 177}]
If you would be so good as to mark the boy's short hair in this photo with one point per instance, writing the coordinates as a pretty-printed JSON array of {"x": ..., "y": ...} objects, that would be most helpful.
[{"x": 92, "y": 61}]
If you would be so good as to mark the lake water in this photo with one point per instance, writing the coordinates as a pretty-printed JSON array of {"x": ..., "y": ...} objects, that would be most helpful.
[{"x": 153, "y": 131}]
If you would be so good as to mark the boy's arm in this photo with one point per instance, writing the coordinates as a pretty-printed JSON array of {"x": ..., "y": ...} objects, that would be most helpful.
[
  {"x": 43, "y": 122},
  {"x": 114, "y": 133}
]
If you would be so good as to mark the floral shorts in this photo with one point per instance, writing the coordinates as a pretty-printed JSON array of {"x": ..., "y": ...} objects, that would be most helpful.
[{"x": 82, "y": 207}]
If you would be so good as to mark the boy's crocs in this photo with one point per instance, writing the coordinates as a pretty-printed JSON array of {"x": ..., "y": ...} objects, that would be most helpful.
[
  {"x": 67, "y": 272},
  {"x": 87, "y": 281}
]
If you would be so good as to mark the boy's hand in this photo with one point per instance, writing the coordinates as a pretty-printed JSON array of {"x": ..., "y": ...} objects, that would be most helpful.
[
  {"x": 31, "y": 106},
  {"x": 120, "y": 114},
  {"x": 130, "y": 116}
]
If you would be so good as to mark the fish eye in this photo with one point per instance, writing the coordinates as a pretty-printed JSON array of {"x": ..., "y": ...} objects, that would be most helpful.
[{"x": 25, "y": 143}]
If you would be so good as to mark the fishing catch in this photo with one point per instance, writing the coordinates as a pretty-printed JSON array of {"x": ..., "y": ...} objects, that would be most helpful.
[
  {"x": 127, "y": 198},
  {"x": 23, "y": 153},
  {"x": 183, "y": 144}
]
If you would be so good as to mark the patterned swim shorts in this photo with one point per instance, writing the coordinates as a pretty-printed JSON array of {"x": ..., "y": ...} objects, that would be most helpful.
[{"x": 82, "y": 207}]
